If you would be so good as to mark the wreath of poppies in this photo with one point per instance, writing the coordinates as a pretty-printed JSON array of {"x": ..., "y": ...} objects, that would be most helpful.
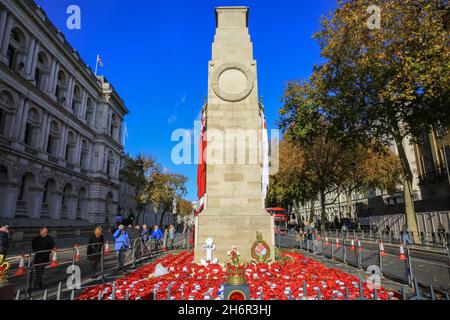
[{"x": 277, "y": 281}]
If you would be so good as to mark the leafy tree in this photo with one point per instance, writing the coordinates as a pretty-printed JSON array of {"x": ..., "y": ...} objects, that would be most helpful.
[
  {"x": 390, "y": 83},
  {"x": 153, "y": 184},
  {"x": 184, "y": 207},
  {"x": 136, "y": 173}
]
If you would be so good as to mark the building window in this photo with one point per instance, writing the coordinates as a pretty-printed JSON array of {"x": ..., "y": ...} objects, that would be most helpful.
[
  {"x": 70, "y": 147},
  {"x": 2, "y": 121},
  {"x": 17, "y": 45},
  {"x": 61, "y": 87},
  {"x": 53, "y": 138},
  {"x": 32, "y": 128}
]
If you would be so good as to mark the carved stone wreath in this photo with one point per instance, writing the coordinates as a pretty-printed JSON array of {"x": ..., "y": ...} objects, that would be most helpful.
[{"x": 228, "y": 96}]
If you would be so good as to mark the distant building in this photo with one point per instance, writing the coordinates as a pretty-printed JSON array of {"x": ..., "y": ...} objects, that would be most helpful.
[{"x": 60, "y": 125}]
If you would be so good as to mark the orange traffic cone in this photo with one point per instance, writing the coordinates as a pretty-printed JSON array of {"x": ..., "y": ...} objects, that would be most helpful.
[
  {"x": 77, "y": 254},
  {"x": 107, "y": 247},
  {"x": 164, "y": 247},
  {"x": 337, "y": 243},
  {"x": 352, "y": 247},
  {"x": 327, "y": 243},
  {"x": 402, "y": 252},
  {"x": 54, "y": 263},
  {"x": 359, "y": 246},
  {"x": 382, "y": 249},
  {"x": 21, "y": 271}
]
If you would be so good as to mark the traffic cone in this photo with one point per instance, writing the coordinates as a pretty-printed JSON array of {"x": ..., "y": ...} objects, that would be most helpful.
[
  {"x": 54, "y": 263},
  {"x": 359, "y": 246},
  {"x": 107, "y": 247},
  {"x": 337, "y": 243},
  {"x": 402, "y": 252},
  {"x": 382, "y": 249},
  {"x": 327, "y": 243},
  {"x": 21, "y": 271},
  {"x": 77, "y": 254},
  {"x": 352, "y": 247},
  {"x": 164, "y": 247}
]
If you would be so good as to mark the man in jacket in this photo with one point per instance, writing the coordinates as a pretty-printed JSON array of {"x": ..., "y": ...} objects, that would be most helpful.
[
  {"x": 157, "y": 235},
  {"x": 94, "y": 250},
  {"x": 42, "y": 245},
  {"x": 122, "y": 243},
  {"x": 4, "y": 243}
]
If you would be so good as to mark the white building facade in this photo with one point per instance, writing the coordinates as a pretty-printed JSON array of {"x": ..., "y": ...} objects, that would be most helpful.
[{"x": 60, "y": 125}]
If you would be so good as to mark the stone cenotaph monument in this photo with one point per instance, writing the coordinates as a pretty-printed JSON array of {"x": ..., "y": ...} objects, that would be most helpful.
[{"x": 234, "y": 209}]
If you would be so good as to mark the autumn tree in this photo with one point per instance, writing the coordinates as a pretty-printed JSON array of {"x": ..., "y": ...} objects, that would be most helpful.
[
  {"x": 284, "y": 187},
  {"x": 152, "y": 184},
  {"x": 388, "y": 83},
  {"x": 136, "y": 173},
  {"x": 184, "y": 207}
]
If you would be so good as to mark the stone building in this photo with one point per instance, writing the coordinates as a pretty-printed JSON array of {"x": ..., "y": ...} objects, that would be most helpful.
[{"x": 60, "y": 125}]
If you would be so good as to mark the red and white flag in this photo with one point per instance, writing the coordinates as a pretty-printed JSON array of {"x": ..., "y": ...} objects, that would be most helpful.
[{"x": 99, "y": 60}]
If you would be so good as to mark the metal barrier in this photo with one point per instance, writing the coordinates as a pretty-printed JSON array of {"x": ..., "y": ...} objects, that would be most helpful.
[
  {"x": 426, "y": 268},
  {"x": 24, "y": 270},
  {"x": 430, "y": 239}
]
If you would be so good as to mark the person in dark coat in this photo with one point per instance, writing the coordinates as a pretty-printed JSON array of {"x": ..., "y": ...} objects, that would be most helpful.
[
  {"x": 94, "y": 250},
  {"x": 4, "y": 243},
  {"x": 42, "y": 245}
]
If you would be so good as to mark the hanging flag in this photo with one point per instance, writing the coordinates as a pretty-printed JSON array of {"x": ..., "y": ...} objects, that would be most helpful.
[
  {"x": 201, "y": 172},
  {"x": 265, "y": 158},
  {"x": 99, "y": 60}
]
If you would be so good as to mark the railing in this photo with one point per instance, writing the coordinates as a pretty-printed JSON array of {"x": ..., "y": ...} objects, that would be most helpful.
[
  {"x": 427, "y": 268},
  {"x": 439, "y": 240},
  {"x": 55, "y": 275}
]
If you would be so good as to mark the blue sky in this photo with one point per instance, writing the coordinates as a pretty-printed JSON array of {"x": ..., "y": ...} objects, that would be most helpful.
[{"x": 156, "y": 55}]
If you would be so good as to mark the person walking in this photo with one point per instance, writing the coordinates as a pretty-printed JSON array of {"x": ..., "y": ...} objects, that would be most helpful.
[
  {"x": 171, "y": 237},
  {"x": 122, "y": 244},
  {"x": 157, "y": 235},
  {"x": 405, "y": 235},
  {"x": 4, "y": 243},
  {"x": 184, "y": 235},
  {"x": 145, "y": 237},
  {"x": 94, "y": 250},
  {"x": 42, "y": 246}
]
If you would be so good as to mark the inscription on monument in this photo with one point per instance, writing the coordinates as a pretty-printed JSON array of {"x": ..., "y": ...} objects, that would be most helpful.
[{"x": 233, "y": 177}]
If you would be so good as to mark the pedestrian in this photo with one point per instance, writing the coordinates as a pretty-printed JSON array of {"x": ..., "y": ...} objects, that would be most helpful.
[
  {"x": 157, "y": 235},
  {"x": 122, "y": 244},
  {"x": 166, "y": 237},
  {"x": 145, "y": 237},
  {"x": 145, "y": 233},
  {"x": 171, "y": 237},
  {"x": 184, "y": 235},
  {"x": 405, "y": 234},
  {"x": 136, "y": 238},
  {"x": 94, "y": 250},
  {"x": 42, "y": 246},
  {"x": 4, "y": 243}
]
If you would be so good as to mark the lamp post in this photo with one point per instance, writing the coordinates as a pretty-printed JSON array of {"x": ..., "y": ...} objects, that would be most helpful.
[{"x": 441, "y": 132}]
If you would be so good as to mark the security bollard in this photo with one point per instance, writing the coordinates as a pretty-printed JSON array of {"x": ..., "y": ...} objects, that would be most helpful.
[
  {"x": 58, "y": 292},
  {"x": 18, "y": 295},
  {"x": 113, "y": 293},
  {"x": 44, "y": 297}
]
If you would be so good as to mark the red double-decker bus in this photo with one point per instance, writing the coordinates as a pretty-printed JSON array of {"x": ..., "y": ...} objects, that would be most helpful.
[{"x": 281, "y": 219}]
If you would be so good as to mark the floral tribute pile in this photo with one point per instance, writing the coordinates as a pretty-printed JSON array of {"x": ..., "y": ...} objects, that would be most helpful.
[{"x": 277, "y": 281}]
